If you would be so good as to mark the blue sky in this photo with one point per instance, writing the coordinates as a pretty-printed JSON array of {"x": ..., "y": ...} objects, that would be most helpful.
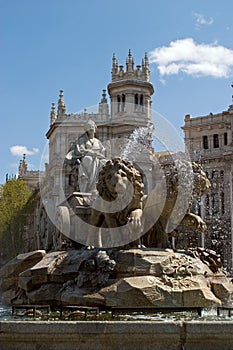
[{"x": 49, "y": 45}]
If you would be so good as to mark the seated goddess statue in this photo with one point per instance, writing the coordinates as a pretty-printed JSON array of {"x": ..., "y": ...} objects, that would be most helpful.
[{"x": 88, "y": 155}]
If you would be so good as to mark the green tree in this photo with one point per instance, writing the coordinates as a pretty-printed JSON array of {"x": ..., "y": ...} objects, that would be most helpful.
[{"x": 14, "y": 198}]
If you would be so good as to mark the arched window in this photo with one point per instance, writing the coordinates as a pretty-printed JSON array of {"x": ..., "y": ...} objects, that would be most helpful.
[
  {"x": 118, "y": 103},
  {"x": 141, "y": 100},
  {"x": 136, "y": 102},
  {"x": 123, "y": 103},
  {"x": 215, "y": 174},
  {"x": 225, "y": 138},
  {"x": 205, "y": 142},
  {"x": 215, "y": 203},
  {"x": 141, "y": 103},
  {"x": 216, "y": 141},
  {"x": 222, "y": 203}
]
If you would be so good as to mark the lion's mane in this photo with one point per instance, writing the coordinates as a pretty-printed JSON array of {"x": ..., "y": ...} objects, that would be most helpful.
[{"x": 133, "y": 175}]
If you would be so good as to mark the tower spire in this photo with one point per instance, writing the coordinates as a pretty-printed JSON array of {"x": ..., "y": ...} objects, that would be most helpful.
[
  {"x": 114, "y": 65},
  {"x": 104, "y": 98},
  {"x": 141, "y": 72},
  {"x": 129, "y": 62},
  {"x": 23, "y": 166},
  {"x": 61, "y": 110},
  {"x": 147, "y": 68},
  {"x": 103, "y": 105},
  {"x": 53, "y": 115}
]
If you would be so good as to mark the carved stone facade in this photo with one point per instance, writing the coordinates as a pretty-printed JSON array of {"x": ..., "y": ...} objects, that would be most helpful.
[{"x": 209, "y": 140}]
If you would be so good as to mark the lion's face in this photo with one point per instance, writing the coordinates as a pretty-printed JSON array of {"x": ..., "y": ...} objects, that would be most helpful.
[
  {"x": 117, "y": 182},
  {"x": 117, "y": 178}
]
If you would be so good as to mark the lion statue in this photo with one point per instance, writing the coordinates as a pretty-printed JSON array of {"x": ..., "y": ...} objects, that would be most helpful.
[
  {"x": 125, "y": 214},
  {"x": 183, "y": 181},
  {"x": 119, "y": 204}
]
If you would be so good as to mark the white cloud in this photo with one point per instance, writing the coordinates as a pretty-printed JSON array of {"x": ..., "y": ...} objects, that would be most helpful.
[
  {"x": 18, "y": 151},
  {"x": 193, "y": 59},
  {"x": 201, "y": 20}
]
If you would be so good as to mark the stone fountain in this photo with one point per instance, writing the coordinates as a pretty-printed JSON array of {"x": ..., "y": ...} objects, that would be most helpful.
[{"x": 125, "y": 256}]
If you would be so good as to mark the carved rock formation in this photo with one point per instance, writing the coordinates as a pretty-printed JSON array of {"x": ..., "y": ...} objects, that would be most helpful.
[{"x": 107, "y": 278}]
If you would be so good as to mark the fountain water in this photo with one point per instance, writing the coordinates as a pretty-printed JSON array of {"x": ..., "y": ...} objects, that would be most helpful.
[{"x": 139, "y": 143}]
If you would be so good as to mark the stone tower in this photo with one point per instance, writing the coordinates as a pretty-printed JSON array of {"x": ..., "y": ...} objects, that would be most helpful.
[{"x": 130, "y": 93}]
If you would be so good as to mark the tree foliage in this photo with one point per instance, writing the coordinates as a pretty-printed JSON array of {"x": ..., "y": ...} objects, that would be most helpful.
[
  {"x": 14, "y": 198},
  {"x": 15, "y": 195}
]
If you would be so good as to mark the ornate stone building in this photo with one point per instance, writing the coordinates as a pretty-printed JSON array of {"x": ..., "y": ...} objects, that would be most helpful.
[{"x": 209, "y": 140}]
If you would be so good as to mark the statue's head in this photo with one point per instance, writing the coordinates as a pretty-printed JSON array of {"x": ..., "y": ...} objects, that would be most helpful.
[{"x": 90, "y": 125}]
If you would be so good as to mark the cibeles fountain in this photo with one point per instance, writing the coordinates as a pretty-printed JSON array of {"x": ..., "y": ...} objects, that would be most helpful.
[
  {"x": 116, "y": 242},
  {"x": 118, "y": 245}
]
